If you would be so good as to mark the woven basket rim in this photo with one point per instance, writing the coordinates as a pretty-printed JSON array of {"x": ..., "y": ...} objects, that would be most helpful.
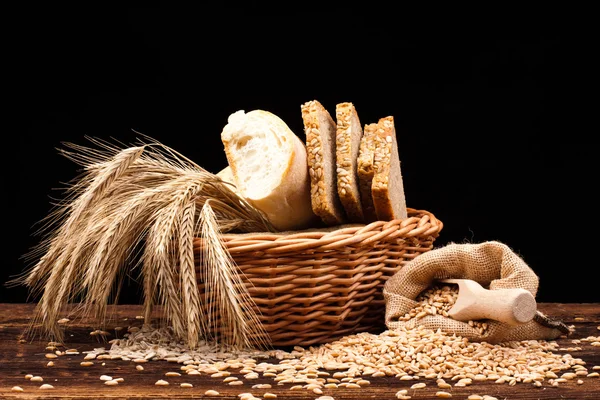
[
  {"x": 418, "y": 224},
  {"x": 339, "y": 229}
]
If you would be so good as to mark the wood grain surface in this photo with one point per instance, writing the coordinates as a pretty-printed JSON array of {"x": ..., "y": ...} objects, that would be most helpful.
[{"x": 19, "y": 357}]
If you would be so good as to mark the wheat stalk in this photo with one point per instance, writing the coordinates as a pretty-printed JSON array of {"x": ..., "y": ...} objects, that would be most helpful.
[
  {"x": 146, "y": 196},
  {"x": 229, "y": 305}
]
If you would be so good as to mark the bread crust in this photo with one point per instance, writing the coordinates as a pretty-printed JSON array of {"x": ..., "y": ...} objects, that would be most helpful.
[
  {"x": 348, "y": 135},
  {"x": 387, "y": 188},
  {"x": 319, "y": 130},
  {"x": 287, "y": 205}
]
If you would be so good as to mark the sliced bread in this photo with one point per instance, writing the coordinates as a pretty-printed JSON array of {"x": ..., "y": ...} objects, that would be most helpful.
[
  {"x": 268, "y": 165},
  {"x": 320, "y": 131},
  {"x": 365, "y": 171},
  {"x": 348, "y": 135},
  {"x": 387, "y": 188}
]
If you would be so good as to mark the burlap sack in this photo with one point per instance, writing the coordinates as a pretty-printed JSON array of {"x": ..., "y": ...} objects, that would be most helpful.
[{"x": 493, "y": 265}]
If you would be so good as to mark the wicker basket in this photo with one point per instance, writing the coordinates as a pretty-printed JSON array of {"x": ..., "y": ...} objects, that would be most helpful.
[{"x": 314, "y": 286}]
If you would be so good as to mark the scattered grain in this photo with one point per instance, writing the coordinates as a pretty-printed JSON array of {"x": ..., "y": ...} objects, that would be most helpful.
[
  {"x": 36, "y": 379},
  {"x": 86, "y": 363},
  {"x": 172, "y": 374},
  {"x": 261, "y": 386},
  {"x": 28, "y": 376},
  {"x": 419, "y": 385},
  {"x": 111, "y": 382},
  {"x": 186, "y": 385},
  {"x": 64, "y": 320},
  {"x": 139, "y": 367},
  {"x": 17, "y": 389},
  {"x": 46, "y": 386},
  {"x": 161, "y": 382},
  {"x": 406, "y": 354},
  {"x": 211, "y": 393}
]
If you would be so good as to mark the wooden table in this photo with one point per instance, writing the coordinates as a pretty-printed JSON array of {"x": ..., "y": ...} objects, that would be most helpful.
[{"x": 72, "y": 381}]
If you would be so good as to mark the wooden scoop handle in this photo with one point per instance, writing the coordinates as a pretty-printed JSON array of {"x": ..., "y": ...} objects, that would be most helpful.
[{"x": 511, "y": 306}]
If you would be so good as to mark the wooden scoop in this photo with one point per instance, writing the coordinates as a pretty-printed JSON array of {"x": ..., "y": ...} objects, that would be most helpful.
[{"x": 511, "y": 306}]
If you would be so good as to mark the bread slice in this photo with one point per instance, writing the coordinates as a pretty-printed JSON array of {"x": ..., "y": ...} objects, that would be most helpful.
[
  {"x": 348, "y": 135},
  {"x": 268, "y": 164},
  {"x": 320, "y": 131},
  {"x": 365, "y": 171},
  {"x": 387, "y": 188}
]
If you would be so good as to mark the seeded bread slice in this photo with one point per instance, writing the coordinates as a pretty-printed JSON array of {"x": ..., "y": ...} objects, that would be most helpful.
[
  {"x": 387, "y": 188},
  {"x": 320, "y": 131},
  {"x": 348, "y": 134},
  {"x": 365, "y": 171}
]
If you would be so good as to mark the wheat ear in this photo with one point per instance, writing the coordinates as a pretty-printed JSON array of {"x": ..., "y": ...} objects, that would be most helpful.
[{"x": 192, "y": 306}]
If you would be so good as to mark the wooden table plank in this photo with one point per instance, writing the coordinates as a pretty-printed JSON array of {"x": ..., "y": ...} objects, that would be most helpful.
[{"x": 72, "y": 381}]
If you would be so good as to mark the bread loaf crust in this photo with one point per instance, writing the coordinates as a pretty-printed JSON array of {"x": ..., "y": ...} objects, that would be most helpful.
[
  {"x": 387, "y": 188},
  {"x": 365, "y": 171},
  {"x": 348, "y": 136},
  {"x": 287, "y": 205},
  {"x": 320, "y": 130}
]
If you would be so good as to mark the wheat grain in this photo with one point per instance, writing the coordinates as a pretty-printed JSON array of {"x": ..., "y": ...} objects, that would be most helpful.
[{"x": 46, "y": 386}]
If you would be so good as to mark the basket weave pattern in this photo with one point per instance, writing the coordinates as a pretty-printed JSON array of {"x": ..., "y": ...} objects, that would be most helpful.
[{"x": 314, "y": 286}]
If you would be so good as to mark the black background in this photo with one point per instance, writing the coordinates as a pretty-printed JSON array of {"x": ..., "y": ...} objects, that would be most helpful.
[{"x": 489, "y": 122}]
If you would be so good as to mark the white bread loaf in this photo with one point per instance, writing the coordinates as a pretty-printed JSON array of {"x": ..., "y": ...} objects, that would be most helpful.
[
  {"x": 269, "y": 167},
  {"x": 226, "y": 174}
]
